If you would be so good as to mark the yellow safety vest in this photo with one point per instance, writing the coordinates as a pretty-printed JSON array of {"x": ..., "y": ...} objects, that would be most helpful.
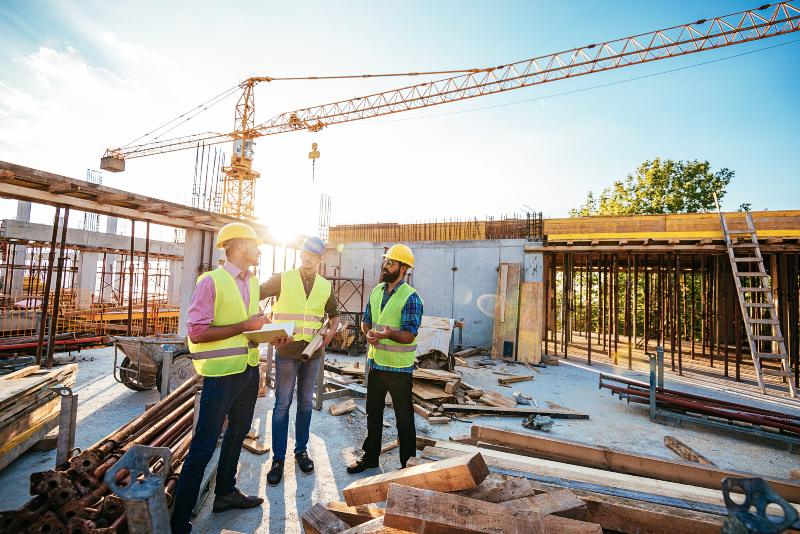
[
  {"x": 231, "y": 355},
  {"x": 293, "y": 306},
  {"x": 387, "y": 352}
]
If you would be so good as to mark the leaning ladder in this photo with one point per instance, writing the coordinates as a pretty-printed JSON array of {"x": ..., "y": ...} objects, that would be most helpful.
[{"x": 756, "y": 302}]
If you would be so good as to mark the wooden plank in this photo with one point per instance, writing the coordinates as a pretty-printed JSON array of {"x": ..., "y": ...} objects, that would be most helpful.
[
  {"x": 562, "y": 503},
  {"x": 462, "y": 472},
  {"x": 375, "y": 526},
  {"x": 424, "y": 412},
  {"x": 520, "y": 411},
  {"x": 389, "y": 446},
  {"x": 421, "y": 510},
  {"x": 496, "y": 489},
  {"x": 354, "y": 515},
  {"x": 20, "y": 373},
  {"x": 685, "y": 451},
  {"x": 318, "y": 520},
  {"x": 493, "y": 398},
  {"x": 10, "y": 450},
  {"x": 30, "y": 418},
  {"x": 438, "y": 420},
  {"x": 514, "y": 379},
  {"x": 794, "y": 474},
  {"x": 255, "y": 445},
  {"x": 506, "y": 310},
  {"x": 562, "y": 450},
  {"x": 343, "y": 407},
  {"x": 468, "y": 352},
  {"x": 529, "y": 345},
  {"x": 428, "y": 391},
  {"x": 436, "y": 375}
]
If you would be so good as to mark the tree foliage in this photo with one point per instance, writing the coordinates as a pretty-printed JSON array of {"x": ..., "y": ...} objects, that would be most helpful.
[{"x": 660, "y": 186}]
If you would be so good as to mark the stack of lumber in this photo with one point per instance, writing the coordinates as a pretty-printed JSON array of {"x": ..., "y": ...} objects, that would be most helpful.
[
  {"x": 621, "y": 491},
  {"x": 456, "y": 495},
  {"x": 29, "y": 408}
]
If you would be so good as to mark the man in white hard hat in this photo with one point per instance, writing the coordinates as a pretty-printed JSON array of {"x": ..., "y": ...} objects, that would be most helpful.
[
  {"x": 391, "y": 320},
  {"x": 304, "y": 298},
  {"x": 223, "y": 306}
]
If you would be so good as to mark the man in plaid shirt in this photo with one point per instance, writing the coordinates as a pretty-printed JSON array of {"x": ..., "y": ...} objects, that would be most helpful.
[{"x": 391, "y": 321}]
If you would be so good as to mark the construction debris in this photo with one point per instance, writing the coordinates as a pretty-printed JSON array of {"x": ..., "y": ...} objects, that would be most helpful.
[
  {"x": 514, "y": 379},
  {"x": 343, "y": 407},
  {"x": 538, "y": 422}
]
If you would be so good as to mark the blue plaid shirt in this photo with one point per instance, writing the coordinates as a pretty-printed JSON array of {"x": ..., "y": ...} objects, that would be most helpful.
[{"x": 410, "y": 319}]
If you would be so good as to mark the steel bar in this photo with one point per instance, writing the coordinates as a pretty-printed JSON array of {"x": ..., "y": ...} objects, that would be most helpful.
[
  {"x": 48, "y": 281},
  {"x": 57, "y": 292}
]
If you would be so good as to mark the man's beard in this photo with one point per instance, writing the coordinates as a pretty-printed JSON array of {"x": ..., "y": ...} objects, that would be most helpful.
[{"x": 390, "y": 278}]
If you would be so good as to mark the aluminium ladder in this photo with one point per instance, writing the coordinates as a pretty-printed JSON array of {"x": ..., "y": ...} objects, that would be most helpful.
[{"x": 756, "y": 302}]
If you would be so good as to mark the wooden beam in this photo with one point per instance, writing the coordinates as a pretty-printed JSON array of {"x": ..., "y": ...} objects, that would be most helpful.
[
  {"x": 685, "y": 451},
  {"x": 421, "y": 510},
  {"x": 59, "y": 187},
  {"x": 562, "y": 503},
  {"x": 354, "y": 515},
  {"x": 343, "y": 407},
  {"x": 375, "y": 526},
  {"x": 318, "y": 520},
  {"x": 110, "y": 198},
  {"x": 494, "y": 410},
  {"x": 562, "y": 450},
  {"x": 462, "y": 472}
]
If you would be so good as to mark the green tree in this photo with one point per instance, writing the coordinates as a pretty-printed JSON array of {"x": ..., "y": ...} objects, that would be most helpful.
[{"x": 660, "y": 186}]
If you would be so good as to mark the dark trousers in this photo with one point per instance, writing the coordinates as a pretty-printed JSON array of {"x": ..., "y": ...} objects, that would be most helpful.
[
  {"x": 233, "y": 396},
  {"x": 399, "y": 387}
]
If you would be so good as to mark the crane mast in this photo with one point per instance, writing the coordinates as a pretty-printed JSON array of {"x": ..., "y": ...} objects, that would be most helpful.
[{"x": 766, "y": 21}]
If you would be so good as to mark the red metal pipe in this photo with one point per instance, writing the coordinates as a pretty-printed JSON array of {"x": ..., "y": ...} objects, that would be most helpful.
[{"x": 32, "y": 345}]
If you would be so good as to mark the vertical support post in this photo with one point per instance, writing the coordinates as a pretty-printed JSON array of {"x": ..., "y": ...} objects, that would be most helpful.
[
  {"x": 51, "y": 340},
  {"x": 652, "y": 387},
  {"x": 145, "y": 277},
  {"x": 48, "y": 280},
  {"x": 589, "y": 326},
  {"x": 67, "y": 419},
  {"x": 130, "y": 279},
  {"x": 646, "y": 310},
  {"x": 166, "y": 371},
  {"x": 660, "y": 355},
  {"x": 628, "y": 314}
]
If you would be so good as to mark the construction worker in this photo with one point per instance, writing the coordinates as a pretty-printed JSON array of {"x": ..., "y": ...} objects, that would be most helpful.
[
  {"x": 304, "y": 298},
  {"x": 391, "y": 320},
  {"x": 223, "y": 306}
]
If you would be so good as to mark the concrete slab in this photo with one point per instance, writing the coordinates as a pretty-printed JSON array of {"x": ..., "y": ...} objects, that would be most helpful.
[{"x": 104, "y": 404}]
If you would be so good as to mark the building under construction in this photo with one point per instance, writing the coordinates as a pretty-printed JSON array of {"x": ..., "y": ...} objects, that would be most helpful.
[{"x": 692, "y": 320}]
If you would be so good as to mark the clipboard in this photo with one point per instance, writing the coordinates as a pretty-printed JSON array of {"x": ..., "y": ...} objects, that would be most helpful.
[{"x": 269, "y": 332}]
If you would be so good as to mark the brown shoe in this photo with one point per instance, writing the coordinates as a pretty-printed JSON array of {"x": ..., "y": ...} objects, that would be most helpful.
[{"x": 235, "y": 499}]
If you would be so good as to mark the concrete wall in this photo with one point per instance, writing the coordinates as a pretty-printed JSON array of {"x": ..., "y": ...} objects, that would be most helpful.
[{"x": 454, "y": 278}]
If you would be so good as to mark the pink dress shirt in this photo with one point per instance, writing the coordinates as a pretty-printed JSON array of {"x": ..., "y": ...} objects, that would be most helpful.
[{"x": 201, "y": 309}]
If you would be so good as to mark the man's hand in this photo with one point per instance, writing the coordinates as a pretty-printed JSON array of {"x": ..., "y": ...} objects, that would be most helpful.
[
  {"x": 374, "y": 336},
  {"x": 256, "y": 322},
  {"x": 326, "y": 340},
  {"x": 280, "y": 342}
]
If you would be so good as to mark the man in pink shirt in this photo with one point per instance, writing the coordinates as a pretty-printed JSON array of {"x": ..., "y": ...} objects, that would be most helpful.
[{"x": 223, "y": 307}]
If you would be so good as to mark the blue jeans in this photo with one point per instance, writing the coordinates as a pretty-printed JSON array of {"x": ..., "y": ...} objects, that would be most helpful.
[
  {"x": 233, "y": 396},
  {"x": 288, "y": 372}
]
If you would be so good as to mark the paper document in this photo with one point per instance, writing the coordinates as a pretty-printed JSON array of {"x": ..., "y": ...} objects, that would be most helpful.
[{"x": 269, "y": 332}]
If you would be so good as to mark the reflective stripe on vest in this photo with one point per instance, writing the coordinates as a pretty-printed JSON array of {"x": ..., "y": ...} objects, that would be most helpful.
[
  {"x": 387, "y": 352},
  {"x": 231, "y": 355},
  {"x": 293, "y": 306}
]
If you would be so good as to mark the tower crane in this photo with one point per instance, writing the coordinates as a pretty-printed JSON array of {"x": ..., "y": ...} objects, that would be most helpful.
[{"x": 765, "y": 21}]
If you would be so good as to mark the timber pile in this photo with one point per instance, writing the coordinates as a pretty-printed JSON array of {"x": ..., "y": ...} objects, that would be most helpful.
[
  {"x": 440, "y": 396},
  {"x": 456, "y": 495},
  {"x": 29, "y": 408},
  {"x": 619, "y": 491}
]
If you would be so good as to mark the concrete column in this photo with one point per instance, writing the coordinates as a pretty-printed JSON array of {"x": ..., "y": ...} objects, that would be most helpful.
[
  {"x": 108, "y": 281},
  {"x": 87, "y": 278},
  {"x": 19, "y": 252},
  {"x": 174, "y": 288},
  {"x": 192, "y": 258}
]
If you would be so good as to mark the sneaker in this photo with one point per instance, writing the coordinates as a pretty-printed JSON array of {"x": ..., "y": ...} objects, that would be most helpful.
[
  {"x": 362, "y": 465},
  {"x": 305, "y": 463},
  {"x": 275, "y": 473},
  {"x": 235, "y": 499}
]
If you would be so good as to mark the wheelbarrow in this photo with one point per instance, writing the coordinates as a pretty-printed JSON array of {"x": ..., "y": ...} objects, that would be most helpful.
[{"x": 141, "y": 366}]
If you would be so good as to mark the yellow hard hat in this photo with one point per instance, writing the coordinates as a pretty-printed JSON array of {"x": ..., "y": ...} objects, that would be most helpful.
[
  {"x": 401, "y": 253},
  {"x": 236, "y": 230}
]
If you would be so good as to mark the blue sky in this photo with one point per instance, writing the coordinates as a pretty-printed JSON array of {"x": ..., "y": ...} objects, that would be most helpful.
[{"x": 78, "y": 77}]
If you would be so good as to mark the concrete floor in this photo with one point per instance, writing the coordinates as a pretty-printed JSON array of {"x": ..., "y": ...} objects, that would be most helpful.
[{"x": 105, "y": 405}]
